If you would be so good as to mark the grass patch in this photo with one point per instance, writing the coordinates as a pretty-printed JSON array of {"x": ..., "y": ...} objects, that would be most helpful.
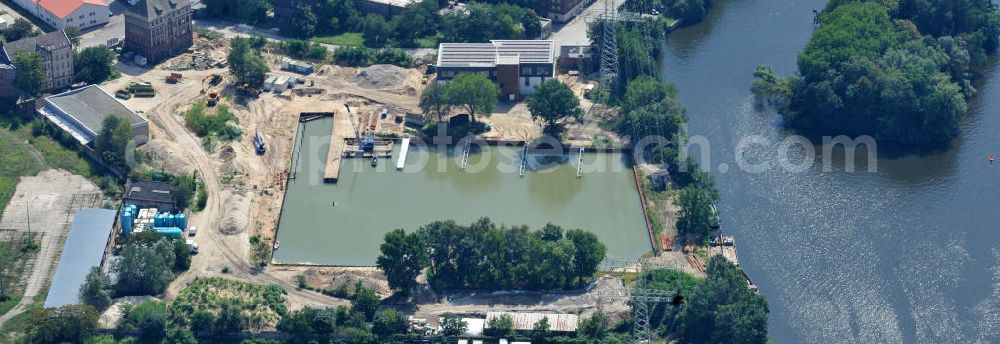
[
  {"x": 215, "y": 123},
  {"x": 14, "y": 258},
  {"x": 353, "y": 39},
  {"x": 15, "y": 328},
  {"x": 16, "y": 160},
  {"x": 209, "y": 34}
]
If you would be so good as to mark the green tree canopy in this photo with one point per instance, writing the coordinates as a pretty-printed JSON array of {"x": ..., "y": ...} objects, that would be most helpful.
[
  {"x": 698, "y": 218},
  {"x": 66, "y": 324},
  {"x": 553, "y": 101},
  {"x": 94, "y": 65},
  {"x": 144, "y": 269},
  {"x": 97, "y": 290},
  {"x": 302, "y": 23},
  {"x": 19, "y": 29},
  {"x": 246, "y": 64},
  {"x": 434, "y": 100},
  {"x": 375, "y": 31},
  {"x": 724, "y": 309},
  {"x": 29, "y": 72},
  {"x": 890, "y": 69},
  {"x": 112, "y": 142},
  {"x": 452, "y": 325},
  {"x": 403, "y": 257},
  {"x": 474, "y": 93}
]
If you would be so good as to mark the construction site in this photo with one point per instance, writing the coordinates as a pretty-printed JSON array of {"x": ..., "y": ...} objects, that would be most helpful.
[{"x": 331, "y": 158}]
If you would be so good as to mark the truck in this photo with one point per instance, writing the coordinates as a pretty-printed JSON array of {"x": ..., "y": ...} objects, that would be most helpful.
[
  {"x": 258, "y": 143},
  {"x": 173, "y": 78},
  {"x": 192, "y": 245}
]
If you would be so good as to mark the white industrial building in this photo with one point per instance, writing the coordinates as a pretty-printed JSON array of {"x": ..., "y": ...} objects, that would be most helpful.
[{"x": 63, "y": 13}]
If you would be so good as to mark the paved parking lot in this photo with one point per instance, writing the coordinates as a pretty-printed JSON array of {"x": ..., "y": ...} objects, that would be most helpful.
[{"x": 114, "y": 28}]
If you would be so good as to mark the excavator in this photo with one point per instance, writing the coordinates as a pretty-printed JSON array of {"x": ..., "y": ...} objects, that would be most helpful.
[{"x": 206, "y": 87}]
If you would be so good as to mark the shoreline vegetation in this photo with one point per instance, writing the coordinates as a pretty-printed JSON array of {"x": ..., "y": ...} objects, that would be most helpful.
[
  {"x": 722, "y": 306},
  {"x": 898, "y": 70}
]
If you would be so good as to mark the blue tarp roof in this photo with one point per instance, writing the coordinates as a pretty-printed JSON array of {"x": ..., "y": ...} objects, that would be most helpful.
[{"x": 84, "y": 249}]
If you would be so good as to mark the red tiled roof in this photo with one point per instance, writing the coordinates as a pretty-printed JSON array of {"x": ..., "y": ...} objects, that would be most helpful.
[{"x": 62, "y": 8}]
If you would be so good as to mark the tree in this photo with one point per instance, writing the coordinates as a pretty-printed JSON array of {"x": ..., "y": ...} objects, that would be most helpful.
[
  {"x": 501, "y": 326},
  {"x": 301, "y": 24},
  {"x": 71, "y": 323},
  {"x": 144, "y": 270},
  {"x": 553, "y": 101},
  {"x": 180, "y": 335},
  {"x": 112, "y": 142},
  {"x": 375, "y": 31},
  {"x": 247, "y": 11},
  {"x": 418, "y": 19},
  {"x": 338, "y": 16},
  {"x": 230, "y": 320},
  {"x": 29, "y": 72},
  {"x": 93, "y": 65},
  {"x": 202, "y": 322},
  {"x": 97, "y": 289},
  {"x": 149, "y": 318},
  {"x": 588, "y": 254},
  {"x": 697, "y": 217},
  {"x": 452, "y": 325},
  {"x": 474, "y": 92},
  {"x": 723, "y": 309},
  {"x": 19, "y": 29},
  {"x": 403, "y": 257},
  {"x": 246, "y": 64},
  {"x": 540, "y": 331},
  {"x": 594, "y": 327},
  {"x": 869, "y": 70},
  {"x": 352, "y": 56},
  {"x": 389, "y": 322},
  {"x": 365, "y": 301},
  {"x": 182, "y": 255},
  {"x": 73, "y": 33}
]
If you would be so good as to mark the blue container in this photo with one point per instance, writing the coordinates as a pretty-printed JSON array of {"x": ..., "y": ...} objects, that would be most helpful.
[
  {"x": 169, "y": 221},
  {"x": 126, "y": 222},
  {"x": 158, "y": 220},
  {"x": 180, "y": 221},
  {"x": 169, "y": 231}
]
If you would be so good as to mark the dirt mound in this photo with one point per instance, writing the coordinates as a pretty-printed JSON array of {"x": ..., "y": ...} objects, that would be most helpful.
[
  {"x": 237, "y": 214},
  {"x": 161, "y": 154},
  {"x": 114, "y": 313},
  {"x": 382, "y": 77},
  {"x": 228, "y": 153}
]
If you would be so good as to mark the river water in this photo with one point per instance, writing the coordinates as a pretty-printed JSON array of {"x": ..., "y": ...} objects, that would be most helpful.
[
  {"x": 907, "y": 254},
  {"x": 371, "y": 201}
]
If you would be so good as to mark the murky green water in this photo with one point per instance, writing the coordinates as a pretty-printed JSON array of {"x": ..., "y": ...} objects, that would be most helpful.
[{"x": 373, "y": 200}]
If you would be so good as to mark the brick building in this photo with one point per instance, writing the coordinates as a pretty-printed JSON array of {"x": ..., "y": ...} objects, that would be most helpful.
[
  {"x": 57, "y": 57},
  {"x": 159, "y": 29}
]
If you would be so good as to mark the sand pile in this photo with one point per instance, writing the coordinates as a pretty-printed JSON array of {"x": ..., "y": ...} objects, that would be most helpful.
[
  {"x": 237, "y": 214},
  {"x": 160, "y": 154},
  {"x": 382, "y": 77}
]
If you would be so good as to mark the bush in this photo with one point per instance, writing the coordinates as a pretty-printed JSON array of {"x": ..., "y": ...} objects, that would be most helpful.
[
  {"x": 150, "y": 318},
  {"x": 203, "y": 123},
  {"x": 352, "y": 56}
]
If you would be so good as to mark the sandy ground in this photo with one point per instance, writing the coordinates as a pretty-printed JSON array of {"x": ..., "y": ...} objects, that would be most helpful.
[{"x": 54, "y": 196}]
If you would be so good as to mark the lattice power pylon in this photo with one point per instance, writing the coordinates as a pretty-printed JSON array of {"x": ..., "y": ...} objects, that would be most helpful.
[
  {"x": 642, "y": 298},
  {"x": 609, "y": 49}
]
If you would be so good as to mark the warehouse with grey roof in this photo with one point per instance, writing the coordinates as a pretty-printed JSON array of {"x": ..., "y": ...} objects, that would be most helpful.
[{"x": 81, "y": 113}]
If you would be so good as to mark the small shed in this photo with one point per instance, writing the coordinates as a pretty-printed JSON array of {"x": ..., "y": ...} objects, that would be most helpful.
[
  {"x": 150, "y": 194},
  {"x": 526, "y": 321},
  {"x": 84, "y": 249}
]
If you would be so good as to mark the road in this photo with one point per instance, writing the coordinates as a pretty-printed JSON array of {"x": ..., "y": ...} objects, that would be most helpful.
[
  {"x": 575, "y": 31},
  {"x": 218, "y": 250}
]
